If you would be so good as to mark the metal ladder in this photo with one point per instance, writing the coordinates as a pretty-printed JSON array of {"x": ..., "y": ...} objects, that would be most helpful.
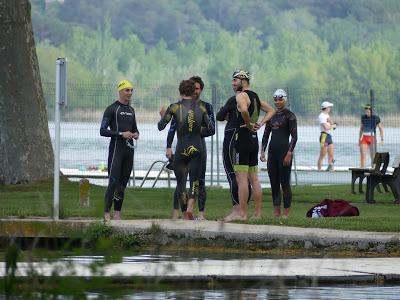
[{"x": 164, "y": 163}]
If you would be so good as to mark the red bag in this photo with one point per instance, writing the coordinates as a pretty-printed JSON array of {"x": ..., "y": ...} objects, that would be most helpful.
[{"x": 333, "y": 208}]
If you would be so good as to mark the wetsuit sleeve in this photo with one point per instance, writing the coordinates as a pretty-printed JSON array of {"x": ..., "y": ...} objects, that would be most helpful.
[
  {"x": 171, "y": 133},
  {"x": 265, "y": 138},
  {"x": 293, "y": 132},
  {"x": 105, "y": 123},
  {"x": 207, "y": 123},
  {"x": 165, "y": 119},
  {"x": 223, "y": 112},
  {"x": 134, "y": 125},
  {"x": 205, "y": 132}
]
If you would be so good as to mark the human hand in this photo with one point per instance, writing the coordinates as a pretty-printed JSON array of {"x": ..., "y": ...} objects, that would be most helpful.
[
  {"x": 127, "y": 135},
  {"x": 168, "y": 153},
  {"x": 249, "y": 126},
  {"x": 262, "y": 156},
  {"x": 162, "y": 111},
  {"x": 287, "y": 159},
  {"x": 257, "y": 126},
  {"x": 135, "y": 135}
]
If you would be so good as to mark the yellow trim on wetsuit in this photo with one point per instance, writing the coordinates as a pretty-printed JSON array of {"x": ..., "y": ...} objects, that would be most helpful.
[
  {"x": 241, "y": 168},
  {"x": 245, "y": 168},
  {"x": 253, "y": 168}
]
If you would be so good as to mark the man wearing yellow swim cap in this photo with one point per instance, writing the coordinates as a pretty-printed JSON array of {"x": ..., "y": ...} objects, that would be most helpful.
[
  {"x": 125, "y": 90},
  {"x": 119, "y": 123}
]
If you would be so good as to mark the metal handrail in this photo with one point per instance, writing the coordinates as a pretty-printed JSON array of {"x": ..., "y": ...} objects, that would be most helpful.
[{"x": 164, "y": 163}]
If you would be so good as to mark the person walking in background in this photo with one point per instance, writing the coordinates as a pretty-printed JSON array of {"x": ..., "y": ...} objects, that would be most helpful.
[
  {"x": 367, "y": 136},
  {"x": 325, "y": 138},
  {"x": 248, "y": 106},
  {"x": 280, "y": 152},
  {"x": 119, "y": 123},
  {"x": 205, "y": 132},
  {"x": 191, "y": 116}
]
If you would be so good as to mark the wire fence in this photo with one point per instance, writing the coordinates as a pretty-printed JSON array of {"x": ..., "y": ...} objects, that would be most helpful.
[{"x": 82, "y": 147}]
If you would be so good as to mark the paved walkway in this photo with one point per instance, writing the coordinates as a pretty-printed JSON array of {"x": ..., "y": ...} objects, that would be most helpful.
[
  {"x": 248, "y": 232},
  {"x": 262, "y": 235},
  {"x": 347, "y": 270}
]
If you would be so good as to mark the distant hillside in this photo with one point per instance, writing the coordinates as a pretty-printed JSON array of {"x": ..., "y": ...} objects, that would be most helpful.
[{"x": 304, "y": 44}]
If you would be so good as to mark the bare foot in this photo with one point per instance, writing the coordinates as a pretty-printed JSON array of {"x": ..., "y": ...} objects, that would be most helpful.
[
  {"x": 175, "y": 214},
  {"x": 255, "y": 217},
  {"x": 277, "y": 212},
  {"x": 201, "y": 216},
  {"x": 117, "y": 215},
  {"x": 188, "y": 215},
  {"x": 234, "y": 217},
  {"x": 107, "y": 217}
]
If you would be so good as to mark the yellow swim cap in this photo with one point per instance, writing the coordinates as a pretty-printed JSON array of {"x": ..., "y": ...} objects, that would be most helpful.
[{"x": 125, "y": 84}]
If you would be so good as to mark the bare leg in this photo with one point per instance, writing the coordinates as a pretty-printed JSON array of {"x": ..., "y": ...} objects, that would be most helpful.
[
  {"x": 242, "y": 181},
  {"x": 257, "y": 193},
  {"x": 363, "y": 154},
  {"x": 330, "y": 155},
  {"x": 322, "y": 153},
  {"x": 372, "y": 151}
]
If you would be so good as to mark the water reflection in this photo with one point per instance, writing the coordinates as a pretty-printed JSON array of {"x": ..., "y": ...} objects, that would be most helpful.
[{"x": 271, "y": 293}]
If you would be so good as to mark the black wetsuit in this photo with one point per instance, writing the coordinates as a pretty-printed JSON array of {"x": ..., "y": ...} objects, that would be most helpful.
[
  {"x": 282, "y": 125},
  {"x": 228, "y": 113},
  {"x": 190, "y": 117},
  {"x": 204, "y": 133},
  {"x": 118, "y": 118},
  {"x": 246, "y": 144}
]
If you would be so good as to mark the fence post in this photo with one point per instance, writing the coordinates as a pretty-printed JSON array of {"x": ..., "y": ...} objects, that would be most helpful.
[
  {"x": 214, "y": 103},
  {"x": 61, "y": 100},
  {"x": 373, "y": 125},
  {"x": 294, "y": 155}
]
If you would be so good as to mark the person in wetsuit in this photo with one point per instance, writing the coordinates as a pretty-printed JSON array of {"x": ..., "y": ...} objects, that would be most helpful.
[
  {"x": 248, "y": 106},
  {"x": 280, "y": 152},
  {"x": 199, "y": 86},
  {"x": 190, "y": 116},
  {"x": 119, "y": 123},
  {"x": 228, "y": 113}
]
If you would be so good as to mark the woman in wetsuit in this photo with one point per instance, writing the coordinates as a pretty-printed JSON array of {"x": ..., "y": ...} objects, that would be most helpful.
[{"x": 280, "y": 152}]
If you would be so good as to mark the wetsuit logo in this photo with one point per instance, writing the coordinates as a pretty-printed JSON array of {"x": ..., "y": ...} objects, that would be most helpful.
[
  {"x": 125, "y": 113},
  {"x": 191, "y": 120},
  {"x": 189, "y": 151}
]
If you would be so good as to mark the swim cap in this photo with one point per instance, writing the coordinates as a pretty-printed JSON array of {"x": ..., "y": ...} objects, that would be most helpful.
[
  {"x": 279, "y": 93},
  {"x": 241, "y": 74},
  {"x": 125, "y": 84}
]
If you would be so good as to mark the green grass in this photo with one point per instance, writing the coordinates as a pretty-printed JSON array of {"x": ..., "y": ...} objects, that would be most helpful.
[{"x": 35, "y": 200}]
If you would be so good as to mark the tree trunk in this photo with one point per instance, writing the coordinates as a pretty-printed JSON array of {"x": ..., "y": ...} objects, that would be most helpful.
[{"x": 26, "y": 153}]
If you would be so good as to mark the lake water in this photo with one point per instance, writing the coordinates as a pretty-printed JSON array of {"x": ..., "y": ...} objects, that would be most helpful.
[
  {"x": 83, "y": 147},
  {"x": 238, "y": 289}
]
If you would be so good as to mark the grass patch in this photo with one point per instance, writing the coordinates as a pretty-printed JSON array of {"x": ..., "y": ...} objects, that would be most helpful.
[{"x": 35, "y": 200}]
